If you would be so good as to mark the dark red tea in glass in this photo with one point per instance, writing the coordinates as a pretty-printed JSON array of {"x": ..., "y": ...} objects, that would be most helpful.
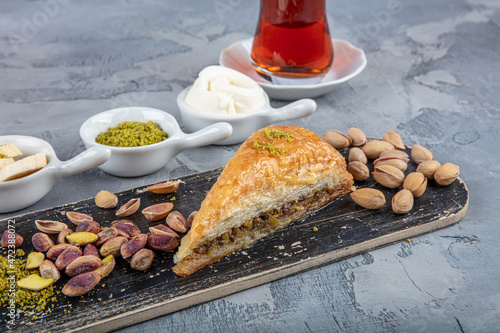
[{"x": 292, "y": 39}]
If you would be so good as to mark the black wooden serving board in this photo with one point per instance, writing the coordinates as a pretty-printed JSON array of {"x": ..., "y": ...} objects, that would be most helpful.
[{"x": 340, "y": 230}]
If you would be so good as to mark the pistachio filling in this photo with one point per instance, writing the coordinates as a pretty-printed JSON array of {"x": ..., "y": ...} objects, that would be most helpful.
[{"x": 268, "y": 221}]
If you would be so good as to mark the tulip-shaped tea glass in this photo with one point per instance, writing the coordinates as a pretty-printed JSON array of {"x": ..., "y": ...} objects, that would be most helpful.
[{"x": 292, "y": 40}]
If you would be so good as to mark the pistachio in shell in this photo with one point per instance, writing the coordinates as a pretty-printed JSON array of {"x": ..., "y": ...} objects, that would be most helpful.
[
  {"x": 129, "y": 208},
  {"x": 77, "y": 218},
  {"x": 158, "y": 211},
  {"x": 416, "y": 183},
  {"x": 358, "y": 170},
  {"x": 374, "y": 148},
  {"x": 81, "y": 284},
  {"x": 428, "y": 168},
  {"x": 394, "y": 153},
  {"x": 336, "y": 139},
  {"x": 106, "y": 200},
  {"x": 48, "y": 270},
  {"x": 356, "y": 154},
  {"x": 82, "y": 265},
  {"x": 368, "y": 198},
  {"x": 358, "y": 138},
  {"x": 9, "y": 237},
  {"x": 446, "y": 174},
  {"x": 142, "y": 259},
  {"x": 402, "y": 202},
  {"x": 420, "y": 154},
  {"x": 395, "y": 162},
  {"x": 164, "y": 188},
  {"x": 388, "y": 176},
  {"x": 50, "y": 227},
  {"x": 41, "y": 242},
  {"x": 394, "y": 139}
]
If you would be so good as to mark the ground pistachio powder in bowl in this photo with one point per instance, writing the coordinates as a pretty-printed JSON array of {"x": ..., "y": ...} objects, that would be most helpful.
[{"x": 132, "y": 134}]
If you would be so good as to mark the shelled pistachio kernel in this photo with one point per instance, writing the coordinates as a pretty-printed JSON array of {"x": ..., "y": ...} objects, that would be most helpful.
[
  {"x": 112, "y": 246},
  {"x": 81, "y": 238},
  {"x": 177, "y": 222},
  {"x": 107, "y": 265},
  {"x": 82, "y": 265},
  {"x": 89, "y": 226},
  {"x": 11, "y": 238},
  {"x": 48, "y": 270},
  {"x": 81, "y": 284},
  {"x": 34, "y": 282},
  {"x": 34, "y": 260},
  {"x": 42, "y": 242},
  {"x": 142, "y": 259}
]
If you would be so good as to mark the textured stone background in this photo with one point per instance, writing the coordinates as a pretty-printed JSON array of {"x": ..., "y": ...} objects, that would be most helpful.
[{"x": 433, "y": 75}]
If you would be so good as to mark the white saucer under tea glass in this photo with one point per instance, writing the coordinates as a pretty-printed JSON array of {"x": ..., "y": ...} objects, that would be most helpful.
[{"x": 348, "y": 61}]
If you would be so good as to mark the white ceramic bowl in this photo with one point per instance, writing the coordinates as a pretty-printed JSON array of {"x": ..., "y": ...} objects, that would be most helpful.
[
  {"x": 23, "y": 192},
  {"x": 243, "y": 124},
  {"x": 143, "y": 160},
  {"x": 348, "y": 61}
]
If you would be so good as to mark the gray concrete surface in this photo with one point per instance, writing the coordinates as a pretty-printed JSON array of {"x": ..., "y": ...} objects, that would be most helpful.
[{"x": 433, "y": 75}]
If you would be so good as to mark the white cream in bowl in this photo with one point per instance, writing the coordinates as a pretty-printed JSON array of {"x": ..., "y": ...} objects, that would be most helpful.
[{"x": 224, "y": 95}]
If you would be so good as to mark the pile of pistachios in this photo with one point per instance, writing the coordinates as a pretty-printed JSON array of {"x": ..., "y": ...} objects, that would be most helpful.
[
  {"x": 87, "y": 254},
  {"x": 390, "y": 162}
]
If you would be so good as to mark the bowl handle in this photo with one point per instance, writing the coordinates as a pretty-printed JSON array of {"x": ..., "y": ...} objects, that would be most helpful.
[
  {"x": 298, "y": 109},
  {"x": 208, "y": 135},
  {"x": 86, "y": 160}
]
